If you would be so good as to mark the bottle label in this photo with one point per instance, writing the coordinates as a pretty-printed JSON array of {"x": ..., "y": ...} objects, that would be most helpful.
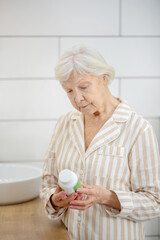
[{"x": 78, "y": 185}]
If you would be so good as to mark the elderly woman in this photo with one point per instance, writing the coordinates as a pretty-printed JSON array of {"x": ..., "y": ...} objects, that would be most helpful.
[{"x": 111, "y": 148}]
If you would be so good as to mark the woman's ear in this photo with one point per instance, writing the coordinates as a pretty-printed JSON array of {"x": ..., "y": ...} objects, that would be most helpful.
[{"x": 105, "y": 79}]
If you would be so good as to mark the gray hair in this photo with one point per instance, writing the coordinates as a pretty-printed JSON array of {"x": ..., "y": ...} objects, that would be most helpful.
[{"x": 83, "y": 60}]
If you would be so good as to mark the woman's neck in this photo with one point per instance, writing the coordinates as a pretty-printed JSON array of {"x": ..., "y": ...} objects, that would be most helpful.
[{"x": 106, "y": 111}]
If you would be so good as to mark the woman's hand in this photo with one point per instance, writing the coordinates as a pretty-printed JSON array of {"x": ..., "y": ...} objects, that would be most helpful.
[
  {"x": 95, "y": 194},
  {"x": 60, "y": 199}
]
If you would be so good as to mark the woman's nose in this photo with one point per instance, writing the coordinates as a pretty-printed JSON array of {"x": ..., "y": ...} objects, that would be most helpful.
[{"x": 78, "y": 97}]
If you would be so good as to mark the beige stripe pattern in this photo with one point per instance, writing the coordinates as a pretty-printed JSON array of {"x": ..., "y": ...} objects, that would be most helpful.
[{"x": 122, "y": 157}]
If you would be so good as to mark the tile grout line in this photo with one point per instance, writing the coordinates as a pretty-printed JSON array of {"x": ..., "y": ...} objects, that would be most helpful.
[
  {"x": 81, "y": 36},
  {"x": 120, "y": 18},
  {"x": 26, "y": 78},
  {"x": 59, "y": 44},
  {"x": 119, "y": 88},
  {"x": 53, "y": 78}
]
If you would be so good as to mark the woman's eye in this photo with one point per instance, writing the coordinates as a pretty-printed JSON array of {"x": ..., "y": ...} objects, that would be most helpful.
[
  {"x": 69, "y": 91},
  {"x": 83, "y": 87}
]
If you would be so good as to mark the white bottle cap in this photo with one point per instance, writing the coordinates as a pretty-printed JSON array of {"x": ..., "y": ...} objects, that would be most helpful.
[
  {"x": 67, "y": 180},
  {"x": 65, "y": 176}
]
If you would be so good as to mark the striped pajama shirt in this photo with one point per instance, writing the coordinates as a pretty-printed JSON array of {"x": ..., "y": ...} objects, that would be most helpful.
[{"x": 122, "y": 157}]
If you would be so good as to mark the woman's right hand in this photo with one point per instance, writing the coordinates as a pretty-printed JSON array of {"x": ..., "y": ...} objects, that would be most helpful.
[{"x": 60, "y": 199}]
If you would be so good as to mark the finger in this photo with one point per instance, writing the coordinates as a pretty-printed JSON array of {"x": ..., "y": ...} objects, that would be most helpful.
[
  {"x": 86, "y": 191},
  {"x": 58, "y": 189},
  {"x": 86, "y": 185},
  {"x": 67, "y": 200},
  {"x": 71, "y": 197},
  {"x": 60, "y": 199},
  {"x": 59, "y": 196},
  {"x": 81, "y": 203},
  {"x": 79, "y": 197}
]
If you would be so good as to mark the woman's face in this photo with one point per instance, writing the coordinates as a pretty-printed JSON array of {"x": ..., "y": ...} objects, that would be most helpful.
[{"x": 86, "y": 93}]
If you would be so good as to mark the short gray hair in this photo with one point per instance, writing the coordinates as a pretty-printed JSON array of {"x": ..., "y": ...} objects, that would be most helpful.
[{"x": 83, "y": 60}]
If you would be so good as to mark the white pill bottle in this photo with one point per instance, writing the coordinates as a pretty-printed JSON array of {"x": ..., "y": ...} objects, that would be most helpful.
[{"x": 68, "y": 181}]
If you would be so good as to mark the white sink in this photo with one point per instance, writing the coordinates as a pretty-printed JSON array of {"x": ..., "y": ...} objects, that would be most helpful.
[{"x": 19, "y": 183}]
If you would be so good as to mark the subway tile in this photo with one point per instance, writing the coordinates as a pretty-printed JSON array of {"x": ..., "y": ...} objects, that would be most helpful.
[
  {"x": 152, "y": 238},
  {"x": 32, "y": 99},
  {"x": 59, "y": 17},
  {"x": 151, "y": 227},
  {"x": 143, "y": 95},
  {"x": 28, "y": 57},
  {"x": 130, "y": 57},
  {"x": 36, "y": 99},
  {"x": 155, "y": 122},
  {"x": 25, "y": 141},
  {"x": 36, "y": 57},
  {"x": 114, "y": 87},
  {"x": 140, "y": 17}
]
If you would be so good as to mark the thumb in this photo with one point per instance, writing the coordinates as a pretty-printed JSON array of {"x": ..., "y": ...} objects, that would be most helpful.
[
  {"x": 86, "y": 185},
  {"x": 58, "y": 189}
]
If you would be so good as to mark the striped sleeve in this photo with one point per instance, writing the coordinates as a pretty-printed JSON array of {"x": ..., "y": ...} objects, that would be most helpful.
[
  {"x": 143, "y": 201},
  {"x": 50, "y": 182}
]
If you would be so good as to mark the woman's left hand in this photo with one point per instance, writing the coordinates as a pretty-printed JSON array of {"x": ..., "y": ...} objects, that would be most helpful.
[{"x": 94, "y": 195}]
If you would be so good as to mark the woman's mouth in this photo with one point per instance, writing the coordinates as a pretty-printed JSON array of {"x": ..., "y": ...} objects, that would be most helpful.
[{"x": 84, "y": 106}]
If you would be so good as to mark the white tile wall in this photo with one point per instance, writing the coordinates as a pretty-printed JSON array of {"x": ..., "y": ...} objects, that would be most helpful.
[
  {"x": 59, "y": 17},
  {"x": 140, "y": 17},
  {"x": 114, "y": 87},
  {"x": 156, "y": 125},
  {"x": 152, "y": 227},
  {"x": 32, "y": 99},
  {"x": 36, "y": 99},
  {"x": 36, "y": 57},
  {"x": 131, "y": 57},
  {"x": 28, "y": 57},
  {"x": 27, "y": 100},
  {"x": 24, "y": 140},
  {"x": 32, "y": 36},
  {"x": 152, "y": 238},
  {"x": 143, "y": 95}
]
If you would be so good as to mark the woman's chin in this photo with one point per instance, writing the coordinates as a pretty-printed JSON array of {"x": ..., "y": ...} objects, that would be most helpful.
[
  {"x": 83, "y": 109},
  {"x": 86, "y": 110}
]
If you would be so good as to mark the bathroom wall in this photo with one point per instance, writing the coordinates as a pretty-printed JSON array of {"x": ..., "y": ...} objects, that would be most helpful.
[{"x": 33, "y": 34}]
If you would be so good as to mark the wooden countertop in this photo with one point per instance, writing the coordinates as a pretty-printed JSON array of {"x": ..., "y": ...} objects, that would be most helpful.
[{"x": 28, "y": 221}]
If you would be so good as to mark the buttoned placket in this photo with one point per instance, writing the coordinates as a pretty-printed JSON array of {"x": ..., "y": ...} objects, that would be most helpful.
[
  {"x": 80, "y": 223},
  {"x": 80, "y": 218},
  {"x": 108, "y": 136}
]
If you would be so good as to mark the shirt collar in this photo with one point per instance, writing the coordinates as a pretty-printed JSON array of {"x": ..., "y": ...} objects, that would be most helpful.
[{"x": 122, "y": 112}]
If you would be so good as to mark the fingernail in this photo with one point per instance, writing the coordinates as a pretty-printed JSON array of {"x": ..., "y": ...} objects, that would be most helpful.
[
  {"x": 64, "y": 193},
  {"x": 75, "y": 195},
  {"x": 71, "y": 206},
  {"x": 78, "y": 190},
  {"x": 71, "y": 203},
  {"x": 80, "y": 194}
]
